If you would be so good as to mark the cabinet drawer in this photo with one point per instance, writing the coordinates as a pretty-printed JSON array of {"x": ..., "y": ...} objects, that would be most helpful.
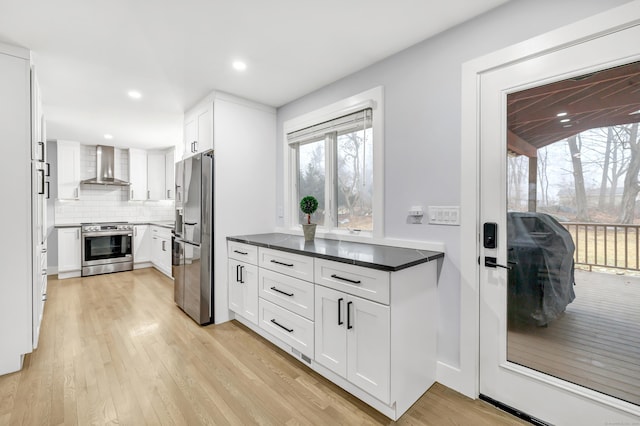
[
  {"x": 288, "y": 292},
  {"x": 286, "y": 263},
  {"x": 368, "y": 283},
  {"x": 161, "y": 232},
  {"x": 243, "y": 252},
  {"x": 287, "y": 326}
]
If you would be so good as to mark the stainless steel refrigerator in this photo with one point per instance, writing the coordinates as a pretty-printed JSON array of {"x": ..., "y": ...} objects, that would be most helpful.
[{"x": 192, "y": 257}]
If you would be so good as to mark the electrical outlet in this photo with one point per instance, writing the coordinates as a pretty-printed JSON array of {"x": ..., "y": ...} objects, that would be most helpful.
[{"x": 444, "y": 215}]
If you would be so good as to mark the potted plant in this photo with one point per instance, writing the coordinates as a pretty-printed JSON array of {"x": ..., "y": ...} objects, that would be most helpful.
[{"x": 309, "y": 205}]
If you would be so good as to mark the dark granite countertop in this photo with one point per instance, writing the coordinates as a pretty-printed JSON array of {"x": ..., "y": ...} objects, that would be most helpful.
[{"x": 385, "y": 258}]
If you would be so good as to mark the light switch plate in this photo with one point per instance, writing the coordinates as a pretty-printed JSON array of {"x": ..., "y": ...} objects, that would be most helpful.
[{"x": 444, "y": 215}]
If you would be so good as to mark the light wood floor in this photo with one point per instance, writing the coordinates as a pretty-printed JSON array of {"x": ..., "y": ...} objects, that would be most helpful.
[
  {"x": 595, "y": 343},
  {"x": 114, "y": 349}
]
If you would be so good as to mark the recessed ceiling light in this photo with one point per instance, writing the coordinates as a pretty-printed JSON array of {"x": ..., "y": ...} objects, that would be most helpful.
[
  {"x": 565, "y": 120},
  {"x": 134, "y": 94},
  {"x": 567, "y": 125},
  {"x": 239, "y": 65},
  {"x": 561, "y": 114},
  {"x": 108, "y": 136}
]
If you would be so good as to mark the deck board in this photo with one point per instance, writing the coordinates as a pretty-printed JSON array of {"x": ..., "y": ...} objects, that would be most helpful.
[{"x": 595, "y": 343}]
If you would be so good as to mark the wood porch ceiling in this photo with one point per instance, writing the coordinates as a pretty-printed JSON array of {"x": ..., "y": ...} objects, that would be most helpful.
[{"x": 605, "y": 98}]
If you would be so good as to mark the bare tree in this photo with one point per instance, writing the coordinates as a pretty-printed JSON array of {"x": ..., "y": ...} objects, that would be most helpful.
[
  {"x": 605, "y": 170},
  {"x": 543, "y": 179},
  {"x": 631, "y": 187},
  {"x": 575, "y": 144}
]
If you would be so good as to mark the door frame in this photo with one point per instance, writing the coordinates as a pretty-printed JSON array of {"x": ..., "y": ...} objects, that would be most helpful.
[{"x": 616, "y": 19}]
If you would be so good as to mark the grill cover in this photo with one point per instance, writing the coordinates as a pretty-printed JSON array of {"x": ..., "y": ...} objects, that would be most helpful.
[{"x": 541, "y": 279}]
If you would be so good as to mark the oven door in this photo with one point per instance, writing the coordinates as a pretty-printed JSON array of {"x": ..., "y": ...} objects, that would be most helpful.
[{"x": 101, "y": 248}]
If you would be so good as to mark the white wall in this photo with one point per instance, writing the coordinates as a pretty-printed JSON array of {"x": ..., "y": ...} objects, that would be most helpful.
[{"x": 422, "y": 89}]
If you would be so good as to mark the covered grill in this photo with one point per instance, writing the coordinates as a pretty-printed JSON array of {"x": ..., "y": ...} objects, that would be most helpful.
[{"x": 541, "y": 279}]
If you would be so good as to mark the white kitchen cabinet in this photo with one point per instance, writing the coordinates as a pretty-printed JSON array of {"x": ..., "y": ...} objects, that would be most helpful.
[
  {"x": 243, "y": 289},
  {"x": 69, "y": 252},
  {"x": 138, "y": 190},
  {"x": 141, "y": 246},
  {"x": 170, "y": 174},
  {"x": 353, "y": 340},
  {"x": 161, "y": 249},
  {"x": 198, "y": 129},
  {"x": 156, "y": 179},
  {"x": 68, "y": 170}
]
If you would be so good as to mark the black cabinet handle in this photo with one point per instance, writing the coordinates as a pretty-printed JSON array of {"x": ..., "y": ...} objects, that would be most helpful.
[
  {"x": 191, "y": 223},
  {"x": 41, "y": 145},
  {"x": 240, "y": 252},
  {"x": 237, "y": 273},
  {"x": 241, "y": 274},
  {"x": 282, "y": 292},
  {"x": 281, "y": 263},
  {"x": 345, "y": 279},
  {"x": 290, "y": 330},
  {"x": 48, "y": 190},
  {"x": 340, "y": 322},
  {"x": 41, "y": 171},
  {"x": 48, "y": 169},
  {"x": 349, "y": 325}
]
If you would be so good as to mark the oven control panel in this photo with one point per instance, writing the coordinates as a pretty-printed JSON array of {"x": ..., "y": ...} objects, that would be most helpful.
[{"x": 106, "y": 227}]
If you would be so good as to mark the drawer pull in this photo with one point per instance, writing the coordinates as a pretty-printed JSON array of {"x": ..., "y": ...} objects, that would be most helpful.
[
  {"x": 281, "y": 263},
  {"x": 240, "y": 252},
  {"x": 239, "y": 277},
  {"x": 290, "y": 330},
  {"x": 282, "y": 292},
  {"x": 345, "y": 279},
  {"x": 349, "y": 325},
  {"x": 340, "y": 322}
]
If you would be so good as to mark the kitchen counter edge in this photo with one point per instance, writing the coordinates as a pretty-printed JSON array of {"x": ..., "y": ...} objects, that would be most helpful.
[{"x": 412, "y": 257}]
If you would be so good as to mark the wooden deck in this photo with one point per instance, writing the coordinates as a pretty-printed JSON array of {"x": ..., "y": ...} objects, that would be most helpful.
[{"x": 595, "y": 343}]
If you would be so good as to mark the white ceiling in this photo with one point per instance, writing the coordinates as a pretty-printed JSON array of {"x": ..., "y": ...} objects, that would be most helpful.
[{"x": 89, "y": 53}]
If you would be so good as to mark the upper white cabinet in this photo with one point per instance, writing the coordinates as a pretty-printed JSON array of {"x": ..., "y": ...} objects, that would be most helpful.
[
  {"x": 170, "y": 174},
  {"x": 68, "y": 170},
  {"x": 138, "y": 175},
  {"x": 198, "y": 128},
  {"x": 38, "y": 138},
  {"x": 156, "y": 179}
]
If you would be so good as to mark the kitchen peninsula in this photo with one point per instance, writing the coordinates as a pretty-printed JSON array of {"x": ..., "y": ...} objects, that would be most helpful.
[{"x": 362, "y": 315}]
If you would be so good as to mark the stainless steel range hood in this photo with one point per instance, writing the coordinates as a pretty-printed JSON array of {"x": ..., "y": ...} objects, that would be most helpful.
[{"x": 105, "y": 159}]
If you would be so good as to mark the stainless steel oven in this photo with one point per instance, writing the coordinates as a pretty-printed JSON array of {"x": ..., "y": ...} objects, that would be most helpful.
[{"x": 106, "y": 248}]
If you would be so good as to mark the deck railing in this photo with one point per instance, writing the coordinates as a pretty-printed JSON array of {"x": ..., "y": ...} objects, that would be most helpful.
[{"x": 605, "y": 244}]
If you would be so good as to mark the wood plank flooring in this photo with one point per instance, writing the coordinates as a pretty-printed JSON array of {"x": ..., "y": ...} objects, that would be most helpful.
[
  {"x": 595, "y": 343},
  {"x": 114, "y": 349}
]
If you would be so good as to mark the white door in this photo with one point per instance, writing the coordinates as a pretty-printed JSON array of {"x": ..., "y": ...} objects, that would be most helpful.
[
  {"x": 369, "y": 346},
  {"x": 541, "y": 395},
  {"x": 330, "y": 329}
]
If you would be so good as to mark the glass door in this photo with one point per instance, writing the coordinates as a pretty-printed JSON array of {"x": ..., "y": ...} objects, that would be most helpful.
[{"x": 559, "y": 285}]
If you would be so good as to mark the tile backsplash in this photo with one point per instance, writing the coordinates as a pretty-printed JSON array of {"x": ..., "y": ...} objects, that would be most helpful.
[{"x": 100, "y": 203}]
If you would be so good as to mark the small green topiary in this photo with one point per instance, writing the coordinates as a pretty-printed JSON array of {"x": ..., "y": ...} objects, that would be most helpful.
[{"x": 308, "y": 205}]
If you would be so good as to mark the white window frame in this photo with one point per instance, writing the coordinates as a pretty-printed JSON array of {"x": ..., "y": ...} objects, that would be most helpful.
[{"x": 373, "y": 99}]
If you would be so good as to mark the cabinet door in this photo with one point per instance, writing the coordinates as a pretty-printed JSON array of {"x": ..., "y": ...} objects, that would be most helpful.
[
  {"x": 331, "y": 329},
  {"x": 368, "y": 346},
  {"x": 141, "y": 244},
  {"x": 68, "y": 170},
  {"x": 205, "y": 128},
  {"x": 38, "y": 151},
  {"x": 155, "y": 176},
  {"x": 190, "y": 135},
  {"x": 69, "y": 249},
  {"x": 138, "y": 174},
  {"x": 156, "y": 250},
  {"x": 243, "y": 290},
  {"x": 165, "y": 256},
  {"x": 169, "y": 175}
]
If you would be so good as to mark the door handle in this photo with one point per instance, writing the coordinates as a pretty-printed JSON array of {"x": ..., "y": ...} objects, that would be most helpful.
[
  {"x": 163, "y": 248},
  {"x": 491, "y": 262},
  {"x": 41, "y": 145},
  {"x": 340, "y": 322},
  {"x": 349, "y": 325},
  {"x": 48, "y": 190},
  {"x": 237, "y": 273},
  {"x": 41, "y": 171}
]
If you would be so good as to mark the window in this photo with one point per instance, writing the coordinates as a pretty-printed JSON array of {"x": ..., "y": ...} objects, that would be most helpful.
[{"x": 332, "y": 157}]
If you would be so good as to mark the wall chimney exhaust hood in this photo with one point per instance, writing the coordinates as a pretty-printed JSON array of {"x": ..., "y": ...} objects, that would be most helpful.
[{"x": 105, "y": 159}]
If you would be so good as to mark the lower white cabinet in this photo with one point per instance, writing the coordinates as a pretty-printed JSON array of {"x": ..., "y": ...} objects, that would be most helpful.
[
  {"x": 69, "y": 252},
  {"x": 243, "y": 289},
  {"x": 161, "y": 249},
  {"x": 352, "y": 339},
  {"x": 141, "y": 245},
  {"x": 287, "y": 326}
]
